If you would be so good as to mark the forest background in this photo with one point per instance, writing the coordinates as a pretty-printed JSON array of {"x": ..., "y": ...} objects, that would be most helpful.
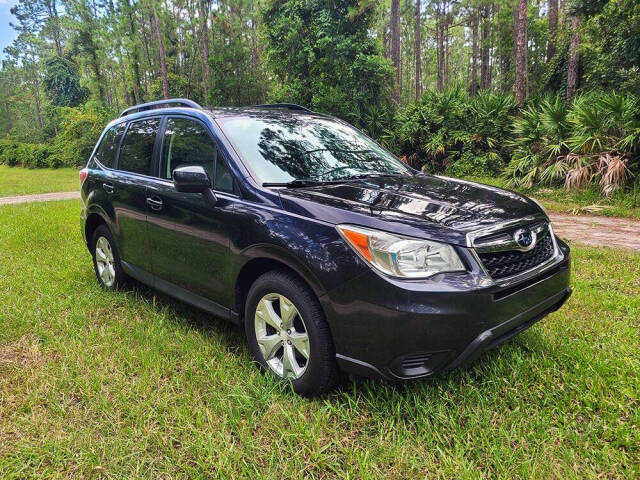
[{"x": 540, "y": 92}]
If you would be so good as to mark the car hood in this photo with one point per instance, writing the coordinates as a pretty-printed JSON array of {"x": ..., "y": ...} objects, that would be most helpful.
[{"x": 424, "y": 205}]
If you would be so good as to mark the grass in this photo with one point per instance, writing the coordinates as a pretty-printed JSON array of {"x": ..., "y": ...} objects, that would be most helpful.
[
  {"x": 587, "y": 201},
  {"x": 24, "y": 181},
  {"x": 136, "y": 385}
]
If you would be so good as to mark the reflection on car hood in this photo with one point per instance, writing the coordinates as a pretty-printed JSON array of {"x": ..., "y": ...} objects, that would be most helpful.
[{"x": 428, "y": 203}]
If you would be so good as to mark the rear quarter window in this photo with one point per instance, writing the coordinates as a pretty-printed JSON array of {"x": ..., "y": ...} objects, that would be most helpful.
[{"x": 108, "y": 148}]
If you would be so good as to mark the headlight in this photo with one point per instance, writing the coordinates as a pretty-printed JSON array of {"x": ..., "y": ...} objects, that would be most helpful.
[{"x": 401, "y": 256}]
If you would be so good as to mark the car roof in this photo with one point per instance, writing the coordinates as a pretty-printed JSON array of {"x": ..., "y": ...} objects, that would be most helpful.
[{"x": 256, "y": 111}]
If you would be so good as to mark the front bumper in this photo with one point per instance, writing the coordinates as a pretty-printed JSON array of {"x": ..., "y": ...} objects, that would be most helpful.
[{"x": 409, "y": 329}]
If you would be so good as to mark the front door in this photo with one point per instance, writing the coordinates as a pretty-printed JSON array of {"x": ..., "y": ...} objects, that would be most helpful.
[{"x": 190, "y": 236}]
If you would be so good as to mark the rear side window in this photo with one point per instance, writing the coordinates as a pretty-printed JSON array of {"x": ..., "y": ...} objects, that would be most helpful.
[
  {"x": 137, "y": 148},
  {"x": 186, "y": 142},
  {"x": 106, "y": 152}
]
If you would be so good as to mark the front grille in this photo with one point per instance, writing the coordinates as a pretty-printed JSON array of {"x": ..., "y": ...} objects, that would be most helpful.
[{"x": 506, "y": 264}]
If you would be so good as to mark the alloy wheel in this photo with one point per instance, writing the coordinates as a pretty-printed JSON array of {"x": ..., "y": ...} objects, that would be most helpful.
[
  {"x": 105, "y": 262},
  {"x": 282, "y": 336}
]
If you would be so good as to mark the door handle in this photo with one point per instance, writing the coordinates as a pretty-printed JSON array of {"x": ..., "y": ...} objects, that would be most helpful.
[
  {"x": 155, "y": 203},
  {"x": 108, "y": 187}
]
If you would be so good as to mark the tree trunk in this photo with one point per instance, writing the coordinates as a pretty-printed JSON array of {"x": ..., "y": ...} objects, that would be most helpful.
[
  {"x": 395, "y": 48},
  {"x": 204, "y": 11},
  {"x": 36, "y": 94},
  {"x": 485, "y": 77},
  {"x": 439, "y": 46},
  {"x": 446, "y": 52},
  {"x": 53, "y": 12},
  {"x": 163, "y": 62},
  {"x": 418, "y": 47},
  {"x": 573, "y": 67},
  {"x": 135, "y": 60},
  {"x": 520, "y": 37},
  {"x": 474, "y": 54},
  {"x": 553, "y": 29}
]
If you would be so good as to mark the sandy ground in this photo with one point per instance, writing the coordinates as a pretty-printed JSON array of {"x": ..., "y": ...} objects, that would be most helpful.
[
  {"x": 40, "y": 197},
  {"x": 589, "y": 230}
]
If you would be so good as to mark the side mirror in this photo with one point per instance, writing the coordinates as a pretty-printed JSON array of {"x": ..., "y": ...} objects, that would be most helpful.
[{"x": 191, "y": 179}]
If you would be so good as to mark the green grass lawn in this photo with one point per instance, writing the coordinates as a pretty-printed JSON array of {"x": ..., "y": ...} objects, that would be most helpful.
[
  {"x": 136, "y": 385},
  {"x": 24, "y": 181}
]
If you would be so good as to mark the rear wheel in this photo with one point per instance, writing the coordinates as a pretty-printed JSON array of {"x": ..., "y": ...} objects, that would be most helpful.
[
  {"x": 288, "y": 334},
  {"x": 106, "y": 260}
]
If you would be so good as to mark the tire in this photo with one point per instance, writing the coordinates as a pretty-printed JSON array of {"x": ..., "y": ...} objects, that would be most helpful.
[
  {"x": 106, "y": 260},
  {"x": 275, "y": 292}
]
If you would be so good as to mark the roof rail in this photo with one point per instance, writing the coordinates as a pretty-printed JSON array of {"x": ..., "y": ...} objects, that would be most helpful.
[
  {"x": 285, "y": 106},
  {"x": 180, "y": 102}
]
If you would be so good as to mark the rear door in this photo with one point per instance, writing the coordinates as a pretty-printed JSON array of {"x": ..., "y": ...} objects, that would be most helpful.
[
  {"x": 189, "y": 236},
  {"x": 126, "y": 186}
]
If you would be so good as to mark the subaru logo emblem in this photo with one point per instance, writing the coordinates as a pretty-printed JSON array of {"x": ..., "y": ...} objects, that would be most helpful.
[{"x": 525, "y": 238}]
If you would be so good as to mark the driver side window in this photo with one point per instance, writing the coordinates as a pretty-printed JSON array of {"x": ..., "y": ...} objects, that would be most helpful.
[{"x": 186, "y": 142}]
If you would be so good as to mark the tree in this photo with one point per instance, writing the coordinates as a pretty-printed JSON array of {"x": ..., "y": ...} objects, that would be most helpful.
[
  {"x": 321, "y": 55},
  {"x": 474, "y": 53},
  {"x": 485, "y": 73},
  {"x": 418, "y": 49},
  {"x": 395, "y": 48},
  {"x": 62, "y": 83},
  {"x": 520, "y": 38},
  {"x": 42, "y": 16},
  {"x": 553, "y": 28},
  {"x": 574, "y": 58},
  {"x": 163, "y": 61}
]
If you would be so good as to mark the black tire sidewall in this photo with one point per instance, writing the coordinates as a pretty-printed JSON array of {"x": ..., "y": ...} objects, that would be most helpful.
[
  {"x": 120, "y": 277},
  {"x": 321, "y": 369}
]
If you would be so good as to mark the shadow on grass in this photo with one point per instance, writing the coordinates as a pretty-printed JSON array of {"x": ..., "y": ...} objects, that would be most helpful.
[{"x": 500, "y": 362}]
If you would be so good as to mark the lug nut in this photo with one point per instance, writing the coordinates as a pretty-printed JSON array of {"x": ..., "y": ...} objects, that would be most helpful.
[
  {"x": 289, "y": 331},
  {"x": 289, "y": 342}
]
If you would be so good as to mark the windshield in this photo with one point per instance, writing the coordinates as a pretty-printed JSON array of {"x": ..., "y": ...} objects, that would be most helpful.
[{"x": 307, "y": 148}]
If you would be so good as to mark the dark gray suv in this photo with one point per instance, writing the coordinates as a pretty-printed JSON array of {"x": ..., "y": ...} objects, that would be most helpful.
[{"x": 332, "y": 253}]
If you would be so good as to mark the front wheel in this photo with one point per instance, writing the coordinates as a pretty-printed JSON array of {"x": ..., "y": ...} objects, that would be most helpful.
[{"x": 288, "y": 335}]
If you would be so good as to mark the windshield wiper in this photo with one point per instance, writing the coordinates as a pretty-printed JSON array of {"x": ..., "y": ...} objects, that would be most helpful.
[
  {"x": 294, "y": 183},
  {"x": 298, "y": 183},
  {"x": 361, "y": 176}
]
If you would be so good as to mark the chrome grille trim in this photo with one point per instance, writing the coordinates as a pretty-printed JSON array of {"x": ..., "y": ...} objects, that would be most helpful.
[
  {"x": 521, "y": 276},
  {"x": 508, "y": 243}
]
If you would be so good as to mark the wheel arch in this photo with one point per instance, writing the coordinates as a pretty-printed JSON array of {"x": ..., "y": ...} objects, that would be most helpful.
[
  {"x": 93, "y": 221},
  {"x": 264, "y": 261}
]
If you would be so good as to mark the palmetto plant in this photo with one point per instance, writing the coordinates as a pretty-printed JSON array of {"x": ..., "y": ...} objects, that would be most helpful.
[
  {"x": 448, "y": 127},
  {"x": 596, "y": 141},
  {"x": 540, "y": 135}
]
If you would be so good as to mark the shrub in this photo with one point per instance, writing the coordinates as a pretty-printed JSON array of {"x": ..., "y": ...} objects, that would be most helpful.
[
  {"x": 442, "y": 129},
  {"x": 77, "y": 134},
  {"x": 597, "y": 140},
  {"x": 78, "y": 129},
  {"x": 29, "y": 155}
]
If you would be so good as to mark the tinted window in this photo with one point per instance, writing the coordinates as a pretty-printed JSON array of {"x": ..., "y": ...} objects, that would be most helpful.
[
  {"x": 186, "y": 142},
  {"x": 281, "y": 149},
  {"x": 106, "y": 153},
  {"x": 223, "y": 179},
  {"x": 137, "y": 148}
]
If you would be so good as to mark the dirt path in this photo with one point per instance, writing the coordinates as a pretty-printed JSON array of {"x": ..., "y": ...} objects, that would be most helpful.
[
  {"x": 598, "y": 231},
  {"x": 588, "y": 230},
  {"x": 40, "y": 197}
]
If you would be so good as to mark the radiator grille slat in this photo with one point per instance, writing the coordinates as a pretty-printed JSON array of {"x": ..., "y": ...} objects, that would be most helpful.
[{"x": 506, "y": 264}]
